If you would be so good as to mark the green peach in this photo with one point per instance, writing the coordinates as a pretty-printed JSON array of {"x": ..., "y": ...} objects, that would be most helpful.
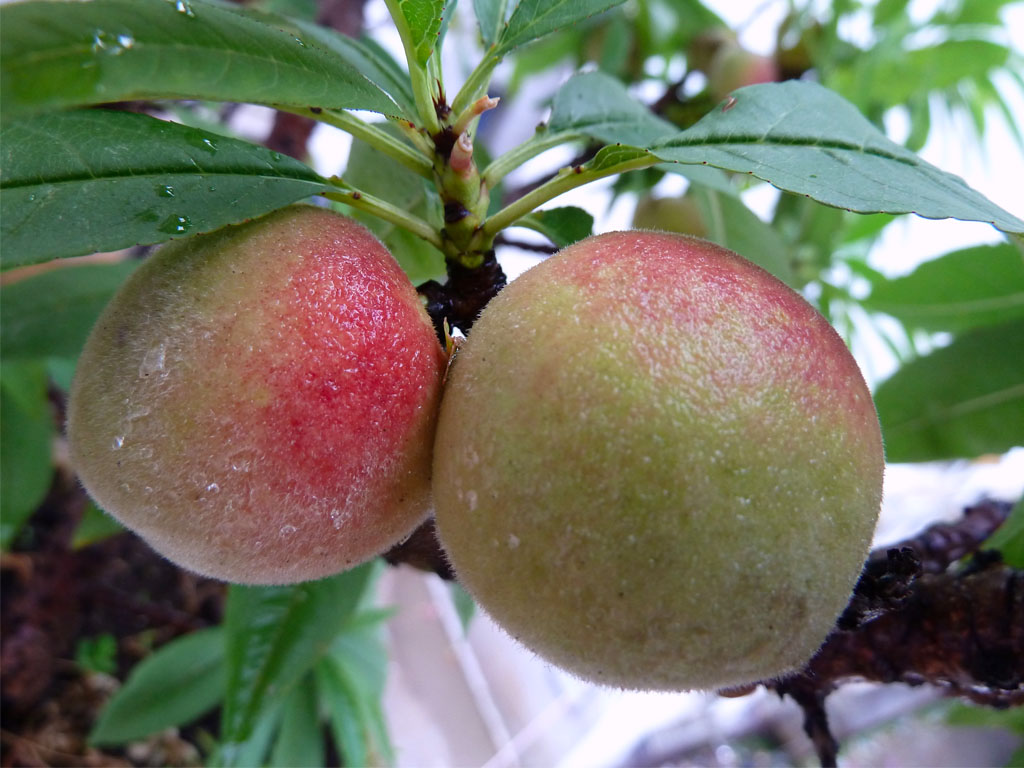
[
  {"x": 657, "y": 466},
  {"x": 670, "y": 214},
  {"x": 733, "y": 67},
  {"x": 259, "y": 403}
]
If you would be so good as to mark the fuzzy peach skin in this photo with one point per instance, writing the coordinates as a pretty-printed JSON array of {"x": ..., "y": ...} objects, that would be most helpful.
[
  {"x": 657, "y": 466},
  {"x": 259, "y": 403}
]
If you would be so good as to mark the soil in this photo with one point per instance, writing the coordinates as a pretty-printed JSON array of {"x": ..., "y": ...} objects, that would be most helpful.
[{"x": 58, "y": 600}]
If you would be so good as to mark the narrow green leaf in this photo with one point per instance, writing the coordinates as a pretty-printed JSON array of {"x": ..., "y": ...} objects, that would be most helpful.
[
  {"x": 562, "y": 226},
  {"x": 26, "y": 434},
  {"x": 95, "y": 525},
  {"x": 255, "y": 749},
  {"x": 51, "y": 314},
  {"x": 95, "y": 180},
  {"x": 274, "y": 636},
  {"x": 533, "y": 19},
  {"x": 609, "y": 159},
  {"x": 351, "y": 681},
  {"x": 734, "y": 226},
  {"x": 341, "y": 701},
  {"x": 371, "y": 172},
  {"x": 895, "y": 79},
  {"x": 370, "y": 58},
  {"x": 465, "y": 605},
  {"x": 1009, "y": 537},
  {"x": 491, "y": 15},
  {"x": 173, "y": 686},
  {"x": 599, "y": 106},
  {"x": 62, "y": 54},
  {"x": 983, "y": 285},
  {"x": 300, "y": 740},
  {"x": 805, "y": 139},
  {"x": 423, "y": 19},
  {"x": 963, "y": 400}
]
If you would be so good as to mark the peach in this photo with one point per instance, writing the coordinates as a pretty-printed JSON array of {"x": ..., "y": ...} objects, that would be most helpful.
[
  {"x": 259, "y": 403},
  {"x": 657, "y": 466}
]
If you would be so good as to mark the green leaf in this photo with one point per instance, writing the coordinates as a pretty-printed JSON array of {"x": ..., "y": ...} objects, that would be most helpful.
[
  {"x": 51, "y": 314},
  {"x": 600, "y": 106},
  {"x": 173, "y": 686},
  {"x": 95, "y": 525},
  {"x": 62, "y": 54},
  {"x": 97, "y": 654},
  {"x": 533, "y": 19},
  {"x": 562, "y": 226},
  {"x": 983, "y": 285},
  {"x": 370, "y": 58},
  {"x": 805, "y": 139},
  {"x": 1009, "y": 538},
  {"x": 423, "y": 19},
  {"x": 95, "y": 180},
  {"x": 26, "y": 436},
  {"x": 963, "y": 400},
  {"x": 275, "y": 636},
  {"x": 300, "y": 740},
  {"x": 465, "y": 605},
  {"x": 491, "y": 15},
  {"x": 351, "y": 683},
  {"x": 734, "y": 226},
  {"x": 611, "y": 158},
  {"x": 896, "y": 78},
  {"x": 371, "y": 172}
]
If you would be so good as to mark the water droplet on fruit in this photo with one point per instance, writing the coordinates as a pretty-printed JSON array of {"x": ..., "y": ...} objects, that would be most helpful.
[
  {"x": 165, "y": 190},
  {"x": 213, "y": 488},
  {"x": 118, "y": 442},
  {"x": 175, "y": 225},
  {"x": 153, "y": 360},
  {"x": 138, "y": 412},
  {"x": 297, "y": 40},
  {"x": 288, "y": 530}
]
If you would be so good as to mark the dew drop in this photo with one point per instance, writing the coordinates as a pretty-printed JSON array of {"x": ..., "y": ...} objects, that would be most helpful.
[
  {"x": 111, "y": 44},
  {"x": 213, "y": 488},
  {"x": 288, "y": 530},
  {"x": 118, "y": 442},
  {"x": 183, "y": 7},
  {"x": 165, "y": 190},
  {"x": 175, "y": 225},
  {"x": 153, "y": 360}
]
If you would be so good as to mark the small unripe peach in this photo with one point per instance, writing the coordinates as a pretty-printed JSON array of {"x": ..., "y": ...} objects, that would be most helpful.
[
  {"x": 657, "y": 465},
  {"x": 259, "y": 403},
  {"x": 670, "y": 214},
  {"x": 733, "y": 67}
]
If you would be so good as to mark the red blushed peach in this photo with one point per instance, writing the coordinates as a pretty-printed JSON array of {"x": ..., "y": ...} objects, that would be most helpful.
[
  {"x": 657, "y": 466},
  {"x": 259, "y": 403}
]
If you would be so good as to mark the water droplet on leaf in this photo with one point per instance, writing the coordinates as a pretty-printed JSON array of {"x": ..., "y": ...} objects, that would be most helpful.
[{"x": 175, "y": 225}]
